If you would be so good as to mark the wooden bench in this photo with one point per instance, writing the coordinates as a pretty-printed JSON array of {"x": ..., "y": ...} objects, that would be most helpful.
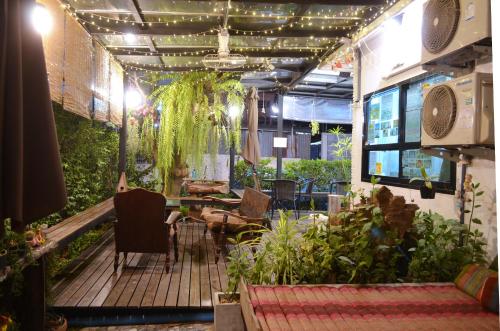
[{"x": 71, "y": 228}]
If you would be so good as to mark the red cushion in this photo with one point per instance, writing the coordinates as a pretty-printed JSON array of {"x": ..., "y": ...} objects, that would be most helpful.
[{"x": 489, "y": 294}]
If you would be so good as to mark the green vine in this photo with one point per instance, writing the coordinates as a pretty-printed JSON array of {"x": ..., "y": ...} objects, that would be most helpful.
[{"x": 194, "y": 119}]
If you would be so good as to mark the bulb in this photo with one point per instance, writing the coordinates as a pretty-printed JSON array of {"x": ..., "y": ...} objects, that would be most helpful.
[
  {"x": 130, "y": 38},
  {"x": 233, "y": 112},
  {"x": 41, "y": 19},
  {"x": 133, "y": 98},
  {"x": 275, "y": 109}
]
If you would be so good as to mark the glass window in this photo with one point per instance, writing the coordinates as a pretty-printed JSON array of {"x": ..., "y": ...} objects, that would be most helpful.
[
  {"x": 383, "y": 118},
  {"x": 414, "y": 103},
  {"x": 437, "y": 168},
  {"x": 383, "y": 163}
]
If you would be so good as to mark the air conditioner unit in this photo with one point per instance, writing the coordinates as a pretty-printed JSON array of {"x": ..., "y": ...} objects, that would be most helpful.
[
  {"x": 450, "y": 27},
  {"x": 459, "y": 112}
]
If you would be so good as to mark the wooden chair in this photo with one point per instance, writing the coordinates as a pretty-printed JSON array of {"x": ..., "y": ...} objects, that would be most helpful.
[
  {"x": 252, "y": 210},
  {"x": 141, "y": 224}
]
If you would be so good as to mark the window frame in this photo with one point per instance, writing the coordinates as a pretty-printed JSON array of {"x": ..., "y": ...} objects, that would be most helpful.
[{"x": 400, "y": 146}]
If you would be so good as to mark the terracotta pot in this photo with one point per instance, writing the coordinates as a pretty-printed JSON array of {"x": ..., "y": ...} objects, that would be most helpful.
[{"x": 227, "y": 316}]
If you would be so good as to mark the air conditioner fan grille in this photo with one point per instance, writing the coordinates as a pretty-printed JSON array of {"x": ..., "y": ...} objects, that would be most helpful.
[
  {"x": 439, "y": 111},
  {"x": 440, "y": 22}
]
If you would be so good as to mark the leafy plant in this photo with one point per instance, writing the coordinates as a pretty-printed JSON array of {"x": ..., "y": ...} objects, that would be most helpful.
[
  {"x": 243, "y": 173},
  {"x": 438, "y": 255},
  {"x": 425, "y": 177},
  {"x": 314, "y": 127},
  {"x": 342, "y": 150},
  {"x": 195, "y": 118},
  {"x": 278, "y": 259},
  {"x": 317, "y": 255},
  {"x": 323, "y": 171}
]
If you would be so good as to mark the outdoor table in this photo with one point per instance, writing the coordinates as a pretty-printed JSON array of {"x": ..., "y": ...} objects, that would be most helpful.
[{"x": 203, "y": 187}]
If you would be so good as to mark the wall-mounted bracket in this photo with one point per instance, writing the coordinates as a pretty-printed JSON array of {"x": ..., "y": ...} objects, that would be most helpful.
[{"x": 461, "y": 154}]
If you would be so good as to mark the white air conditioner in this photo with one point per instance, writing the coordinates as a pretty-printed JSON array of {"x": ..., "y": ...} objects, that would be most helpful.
[
  {"x": 449, "y": 26},
  {"x": 459, "y": 112}
]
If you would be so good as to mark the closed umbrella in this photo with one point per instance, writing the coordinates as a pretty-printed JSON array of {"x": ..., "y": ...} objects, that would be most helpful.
[
  {"x": 251, "y": 151},
  {"x": 31, "y": 177}
]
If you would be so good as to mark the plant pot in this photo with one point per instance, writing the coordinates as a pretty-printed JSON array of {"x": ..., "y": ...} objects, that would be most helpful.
[
  {"x": 227, "y": 316},
  {"x": 427, "y": 193}
]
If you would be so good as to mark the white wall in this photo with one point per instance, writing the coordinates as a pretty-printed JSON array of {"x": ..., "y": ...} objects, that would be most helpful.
[{"x": 375, "y": 75}]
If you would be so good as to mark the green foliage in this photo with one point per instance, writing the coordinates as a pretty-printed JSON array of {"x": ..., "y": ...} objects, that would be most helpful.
[
  {"x": 425, "y": 177},
  {"x": 342, "y": 151},
  {"x": 323, "y": 171},
  {"x": 89, "y": 155},
  {"x": 278, "y": 259},
  {"x": 195, "y": 118},
  {"x": 317, "y": 255},
  {"x": 239, "y": 263},
  {"x": 314, "y": 128},
  {"x": 366, "y": 250},
  {"x": 243, "y": 173},
  {"x": 438, "y": 255}
]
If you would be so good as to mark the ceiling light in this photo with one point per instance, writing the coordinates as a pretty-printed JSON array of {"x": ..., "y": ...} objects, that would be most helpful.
[
  {"x": 275, "y": 109},
  {"x": 133, "y": 99},
  {"x": 130, "y": 38},
  {"x": 234, "y": 111},
  {"x": 41, "y": 19}
]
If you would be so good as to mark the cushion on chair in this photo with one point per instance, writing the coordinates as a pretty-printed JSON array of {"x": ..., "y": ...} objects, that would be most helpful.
[
  {"x": 489, "y": 294},
  {"x": 473, "y": 278},
  {"x": 214, "y": 221}
]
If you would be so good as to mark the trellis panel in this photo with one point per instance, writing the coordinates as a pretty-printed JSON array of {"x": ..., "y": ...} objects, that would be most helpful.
[
  {"x": 116, "y": 93},
  {"x": 101, "y": 84}
]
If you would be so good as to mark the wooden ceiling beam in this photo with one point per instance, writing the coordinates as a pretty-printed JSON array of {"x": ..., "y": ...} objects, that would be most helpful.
[{"x": 315, "y": 2}]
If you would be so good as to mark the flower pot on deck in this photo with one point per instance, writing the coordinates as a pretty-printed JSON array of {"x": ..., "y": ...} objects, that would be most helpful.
[
  {"x": 427, "y": 193},
  {"x": 227, "y": 316}
]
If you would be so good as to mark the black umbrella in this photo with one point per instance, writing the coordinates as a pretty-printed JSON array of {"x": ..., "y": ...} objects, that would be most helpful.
[{"x": 31, "y": 181}]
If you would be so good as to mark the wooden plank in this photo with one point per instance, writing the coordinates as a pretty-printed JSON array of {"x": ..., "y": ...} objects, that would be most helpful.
[
  {"x": 133, "y": 281},
  {"x": 79, "y": 281},
  {"x": 205, "y": 293},
  {"x": 143, "y": 282},
  {"x": 215, "y": 285},
  {"x": 98, "y": 272},
  {"x": 221, "y": 265},
  {"x": 153, "y": 286},
  {"x": 194, "y": 289},
  {"x": 168, "y": 289},
  {"x": 97, "y": 286},
  {"x": 121, "y": 283},
  {"x": 251, "y": 321},
  {"x": 183, "y": 297},
  {"x": 106, "y": 289}
]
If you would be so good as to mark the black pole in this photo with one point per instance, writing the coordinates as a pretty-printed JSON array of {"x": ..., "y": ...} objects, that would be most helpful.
[
  {"x": 279, "y": 153},
  {"x": 122, "y": 159},
  {"x": 231, "y": 165}
]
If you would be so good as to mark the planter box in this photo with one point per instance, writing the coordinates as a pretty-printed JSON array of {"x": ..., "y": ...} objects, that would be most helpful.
[{"x": 227, "y": 316}]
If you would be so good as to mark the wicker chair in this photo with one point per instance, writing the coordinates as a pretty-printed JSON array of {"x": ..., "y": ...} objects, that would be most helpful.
[
  {"x": 283, "y": 193},
  {"x": 222, "y": 223},
  {"x": 141, "y": 224}
]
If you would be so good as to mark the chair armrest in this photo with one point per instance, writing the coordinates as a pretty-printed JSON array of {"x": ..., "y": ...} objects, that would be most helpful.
[
  {"x": 226, "y": 202},
  {"x": 241, "y": 217}
]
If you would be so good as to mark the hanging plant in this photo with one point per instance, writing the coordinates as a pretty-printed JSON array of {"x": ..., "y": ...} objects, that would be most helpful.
[
  {"x": 314, "y": 127},
  {"x": 194, "y": 120}
]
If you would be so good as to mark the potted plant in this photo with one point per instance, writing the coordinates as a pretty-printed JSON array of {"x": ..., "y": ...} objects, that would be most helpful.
[
  {"x": 426, "y": 190},
  {"x": 227, "y": 307}
]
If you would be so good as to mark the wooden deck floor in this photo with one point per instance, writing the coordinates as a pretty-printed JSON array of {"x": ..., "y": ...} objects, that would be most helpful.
[{"x": 145, "y": 282}]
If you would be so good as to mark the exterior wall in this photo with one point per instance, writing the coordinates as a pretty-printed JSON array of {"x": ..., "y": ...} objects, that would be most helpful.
[{"x": 374, "y": 77}]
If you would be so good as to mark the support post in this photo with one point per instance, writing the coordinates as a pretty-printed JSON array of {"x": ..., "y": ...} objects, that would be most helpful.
[
  {"x": 232, "y": 153},
  {"x": 32, "y": 305},
  {"x": 122, "y": 160},
  {"x": 279, "y": 153}
]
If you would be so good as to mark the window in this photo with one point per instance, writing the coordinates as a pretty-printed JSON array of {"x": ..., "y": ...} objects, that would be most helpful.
[{"x": 391, "y": 146}]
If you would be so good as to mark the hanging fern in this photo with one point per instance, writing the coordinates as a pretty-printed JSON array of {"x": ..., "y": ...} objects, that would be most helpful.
[{"x": 195, "y": 118}]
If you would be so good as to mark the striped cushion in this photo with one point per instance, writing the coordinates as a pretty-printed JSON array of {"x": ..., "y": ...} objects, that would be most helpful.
[
  {"x": 472, "y": 278},
  {"x": 489, "y": 294}
]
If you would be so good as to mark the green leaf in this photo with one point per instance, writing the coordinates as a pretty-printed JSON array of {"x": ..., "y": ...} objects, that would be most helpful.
[
  {"x": 478, "y": 194},
  {"x": 476, "y": 221}
]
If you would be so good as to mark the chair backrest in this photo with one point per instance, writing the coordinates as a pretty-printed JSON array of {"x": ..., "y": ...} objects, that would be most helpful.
[
  {"x": 254, "y": 203},
  {"x": 140, "y": 214},
  {"x": 307, "y": 186},
  {"x": 284, "y": 189}
]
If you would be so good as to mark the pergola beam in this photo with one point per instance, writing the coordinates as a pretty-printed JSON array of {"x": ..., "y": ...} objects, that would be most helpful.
[
  {"x": 139, "y": 18},
  {"x": 161, "y": 30},
  {"x": 179, "y": 51},
  {"x": 315, "y": 2}
]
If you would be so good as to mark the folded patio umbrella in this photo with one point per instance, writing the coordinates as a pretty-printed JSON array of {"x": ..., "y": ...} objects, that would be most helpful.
[
  {"x": 31, "y": 177},
  {"x": 251, "y": 151}
]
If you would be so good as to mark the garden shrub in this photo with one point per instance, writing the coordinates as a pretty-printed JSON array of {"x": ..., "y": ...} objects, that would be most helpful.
[
  {"x": 323, "y": 171},
  {"x": 243, "y": 173}
]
